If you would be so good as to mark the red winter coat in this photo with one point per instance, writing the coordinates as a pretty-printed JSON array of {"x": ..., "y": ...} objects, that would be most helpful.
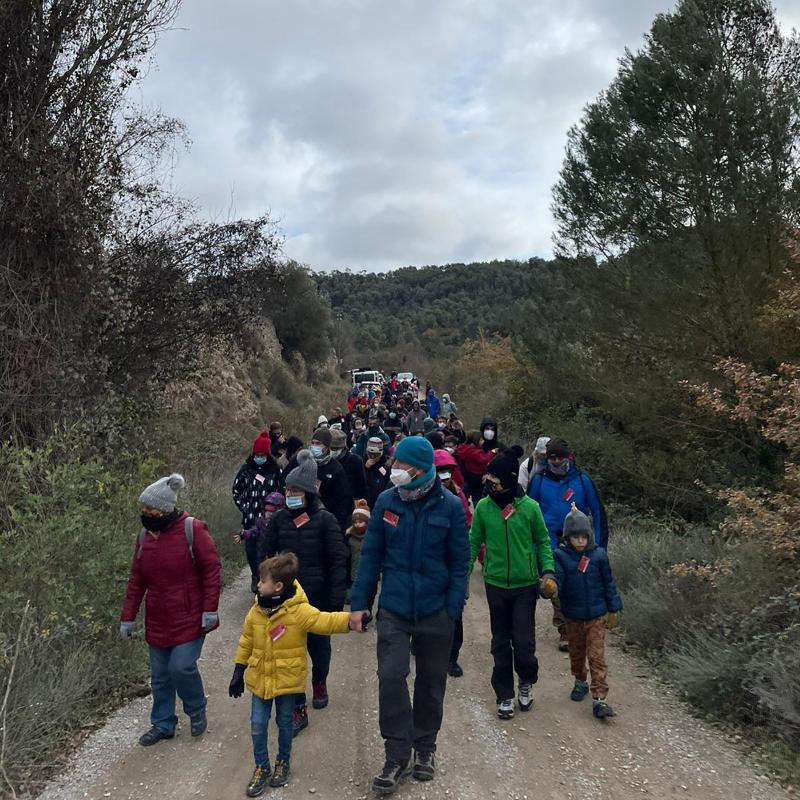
[
  {"x": 176, "y": 590},
  {"x": 474, "y": 459}
]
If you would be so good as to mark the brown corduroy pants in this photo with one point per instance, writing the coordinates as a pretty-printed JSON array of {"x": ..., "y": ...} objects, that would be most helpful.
[{"x": 587, "y": 642}]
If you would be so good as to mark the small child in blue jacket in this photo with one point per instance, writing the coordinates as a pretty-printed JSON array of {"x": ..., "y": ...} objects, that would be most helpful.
[{"x": 590, "y": 603}]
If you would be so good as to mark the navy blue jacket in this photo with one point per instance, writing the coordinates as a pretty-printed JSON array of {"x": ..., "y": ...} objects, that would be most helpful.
[
  {"x": 421, "y": 549},
  {"x": 589, "y": 594}
]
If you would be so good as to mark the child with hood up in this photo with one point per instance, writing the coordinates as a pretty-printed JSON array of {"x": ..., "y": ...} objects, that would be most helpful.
[{"x": 590, "y": 604}]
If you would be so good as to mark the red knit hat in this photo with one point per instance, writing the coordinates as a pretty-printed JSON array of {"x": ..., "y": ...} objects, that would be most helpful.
[{"x": 263, "y": 444}]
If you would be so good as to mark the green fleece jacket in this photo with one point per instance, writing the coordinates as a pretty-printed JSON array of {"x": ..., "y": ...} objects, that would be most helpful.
[{"x": 517, "y": 549}]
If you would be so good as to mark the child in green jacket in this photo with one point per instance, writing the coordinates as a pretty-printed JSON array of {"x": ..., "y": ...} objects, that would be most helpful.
[{"x": 518, "y": 551}]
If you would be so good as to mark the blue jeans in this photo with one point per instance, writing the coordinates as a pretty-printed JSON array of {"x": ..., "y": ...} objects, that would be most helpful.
[
  {"x": 174, "y": 670},
  {"x": 260, "y": 712},
  {"x": 319, "y": 648}
]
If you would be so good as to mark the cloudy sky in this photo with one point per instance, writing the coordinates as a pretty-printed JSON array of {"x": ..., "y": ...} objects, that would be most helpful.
[{"x": 383, "y": 133}]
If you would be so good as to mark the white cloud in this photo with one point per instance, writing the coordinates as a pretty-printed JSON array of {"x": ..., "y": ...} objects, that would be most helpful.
[{"x": 384, "y": 134}]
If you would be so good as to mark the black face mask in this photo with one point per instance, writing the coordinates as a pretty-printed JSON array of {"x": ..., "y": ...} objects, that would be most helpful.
[
  {"x": 156, "y": 524},
  {"x": 273, "y": 601},
  {"x": 503, "y": 496}
]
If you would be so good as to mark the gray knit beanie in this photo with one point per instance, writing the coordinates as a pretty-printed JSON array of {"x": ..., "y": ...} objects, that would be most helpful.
[
  {"x": 304, "y": 475},
  {"x": 576, "y": 522},
  {"x": 322, "y": 435},
  {"x": 163, "y": 494}
]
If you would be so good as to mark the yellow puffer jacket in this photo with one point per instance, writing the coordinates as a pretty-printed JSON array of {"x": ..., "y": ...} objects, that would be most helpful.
[{"x": 274, "y": 645}]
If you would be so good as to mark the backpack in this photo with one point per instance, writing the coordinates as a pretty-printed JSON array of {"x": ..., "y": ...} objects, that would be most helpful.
[{"x": 188, "y": 532}]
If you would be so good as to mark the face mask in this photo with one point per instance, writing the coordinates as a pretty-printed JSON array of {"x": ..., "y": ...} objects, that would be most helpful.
[
  {"x": 295, "y": 502},
  {"x": 337, "y": 452},
  {"x": 400, "y": 477},
  {"x": 444, "y": 476},
  {"x": 561, "y": 470},
  {"x": 260, "y": 460},
  {"x": 316, "y": 450},
  {"x": 450, "y": 450},
  {"x": 155, "y": 524},
  {"x": 440, "y": 425},
  {"x": 392, "y": 415},
  {"x": 488, "y": 434},
  {"x": 374, "y": 453}
]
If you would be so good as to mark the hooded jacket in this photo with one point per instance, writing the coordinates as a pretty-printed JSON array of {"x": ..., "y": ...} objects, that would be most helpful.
[
  {"x": 556, "y": 495},
  {"x": 585, "y": 592},
  {"x": 495, "y": 444},
  {"x": 517, "y": 547},
  {"x": 416, "y": 421},
  {"x": 276, "y": 664},
  {"x": 361, "y": 445},
  {"x": 377, "y": 479},
  {"x": 319, "y": 547},
  {"x": 176, "y": 590},
  {"x": 422, "y": 551},
  {"x": 433, "y": 404}
]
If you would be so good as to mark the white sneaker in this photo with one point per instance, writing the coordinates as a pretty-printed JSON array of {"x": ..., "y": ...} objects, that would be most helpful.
[
  {"x": 505, "y": 709},
  {"x": 525, "y": 696}
]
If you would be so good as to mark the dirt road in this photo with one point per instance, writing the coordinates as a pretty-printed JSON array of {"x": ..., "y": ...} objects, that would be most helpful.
[{"x": 651, "y": 749}]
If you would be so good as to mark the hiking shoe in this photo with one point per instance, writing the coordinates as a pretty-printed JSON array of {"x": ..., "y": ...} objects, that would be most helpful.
[
  {"x": 505, "y": 709},
  {"x": 199, "y": 724},
  {"x": 258, "y": 782},
  {"x": 424, "y": 766},
  {"x": 390, "y": 778},
  {"x": 154, "y": 735},
  {"x": 280, "y": 775},
  {"x": 601, "y": 709},
  {"x": 563, "y": 643},
  {"x": 525, "y": 698},
  {"x": 454, "y": 670},
  {"x": 320, "y": 695},
  {"x": 579, "y": 691},
  {"x": 299, "y": 720}
]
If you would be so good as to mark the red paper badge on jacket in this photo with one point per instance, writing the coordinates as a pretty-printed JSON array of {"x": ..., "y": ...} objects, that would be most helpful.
[
  {"x": 390, "y": 518},
  {"x": 507, "y": 511},
  {"x": 583, "y": 564},
  {"x": 260, "y": 478},
  {"x": 276, "y": 632},
  {"x": 569, "y": 494},
  {"x": 301, "y": 520}
]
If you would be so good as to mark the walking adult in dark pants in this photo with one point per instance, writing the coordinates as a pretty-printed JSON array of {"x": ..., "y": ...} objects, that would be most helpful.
[
  {"x": 256, "y": 478},
  {"x": 417, "y": 541},
  {"x": 517, "y": 552},
  {"x": 313, "y": 534}
]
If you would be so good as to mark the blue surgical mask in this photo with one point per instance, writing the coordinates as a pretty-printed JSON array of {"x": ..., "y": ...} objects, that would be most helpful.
[
  {"x": 295, "y": 502},
  {"x": 260, "y": 460},
  {"x": 316, "y": 450}
]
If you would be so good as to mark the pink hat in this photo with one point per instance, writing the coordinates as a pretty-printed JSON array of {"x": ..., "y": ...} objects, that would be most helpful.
[{"x": 441, "y": 458}]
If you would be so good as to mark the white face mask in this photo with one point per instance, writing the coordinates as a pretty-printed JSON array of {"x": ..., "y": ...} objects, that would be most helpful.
[
  {"x": 444, "y": 476},
  {"x": 400, "y": 477},
  {"x": 488, "y": 434}
]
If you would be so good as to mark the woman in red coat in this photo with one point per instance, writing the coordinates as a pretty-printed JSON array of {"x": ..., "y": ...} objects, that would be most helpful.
[{"x": 176, "y": 569}]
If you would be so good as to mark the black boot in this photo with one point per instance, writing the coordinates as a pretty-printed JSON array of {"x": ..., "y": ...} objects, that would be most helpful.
[
  {"x": 154, "y": 735},
  {"x": 390, "y": 778}
]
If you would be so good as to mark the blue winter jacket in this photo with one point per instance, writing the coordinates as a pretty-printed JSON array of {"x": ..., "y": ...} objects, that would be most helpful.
[
  {"x": 556, "y": 496},
  {"x": 434, "y": 405},
  {"x": 589, "y": 594},
  {"x": 421, "y": 549}
]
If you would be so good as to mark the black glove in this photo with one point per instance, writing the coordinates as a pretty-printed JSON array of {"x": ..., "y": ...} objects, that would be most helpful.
[{"x": 236, "y": 689}]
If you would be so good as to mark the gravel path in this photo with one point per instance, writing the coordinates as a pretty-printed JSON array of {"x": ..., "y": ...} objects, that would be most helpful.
[{"x": 653, "y": 748}]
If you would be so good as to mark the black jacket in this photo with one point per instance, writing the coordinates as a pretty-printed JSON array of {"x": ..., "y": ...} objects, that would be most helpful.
[
  {"x": 354, "y": 470},
  {"x": 377, "y": 481},
  {"x": 319, "y": 548},
  {"x": 334, "y": 490},
  {"x": 252, "y": 485}
]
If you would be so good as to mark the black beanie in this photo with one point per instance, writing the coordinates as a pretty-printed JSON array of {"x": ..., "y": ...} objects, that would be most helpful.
[
  {"x": 505, "y": 466},
  {"x": 558, "y": 448}
]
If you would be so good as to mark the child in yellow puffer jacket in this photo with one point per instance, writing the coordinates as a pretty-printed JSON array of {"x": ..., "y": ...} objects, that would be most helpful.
[{"x": 271, "y": 660}]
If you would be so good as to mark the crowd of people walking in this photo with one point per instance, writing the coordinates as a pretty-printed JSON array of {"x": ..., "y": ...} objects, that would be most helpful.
[{"x": 390, "y": 499}]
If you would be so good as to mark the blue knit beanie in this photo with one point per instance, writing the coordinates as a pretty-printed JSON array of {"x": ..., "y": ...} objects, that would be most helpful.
[{"x": 416, "y": 451}]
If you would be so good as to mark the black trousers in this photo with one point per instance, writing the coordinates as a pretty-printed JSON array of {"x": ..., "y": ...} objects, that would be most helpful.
[
  {"x": 458, "y": 639},
  {"x": 251, "y": 550},
  {"x": 512, "y": 620},
  {"x": 405, "y": 725}
]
